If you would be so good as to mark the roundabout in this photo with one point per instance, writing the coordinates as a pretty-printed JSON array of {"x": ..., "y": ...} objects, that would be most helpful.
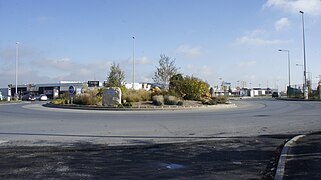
[
  {"x": 204, "y": 143},
  {"x": 32, "y": 123}
]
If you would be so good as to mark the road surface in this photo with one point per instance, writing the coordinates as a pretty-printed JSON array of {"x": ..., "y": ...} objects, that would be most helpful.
[
  {"x": 239, "y": 143},
  {"x": 30, "y": 123}
]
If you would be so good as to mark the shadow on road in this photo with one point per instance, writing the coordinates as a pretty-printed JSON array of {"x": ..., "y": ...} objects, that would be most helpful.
[{"x": 245, "y": 158}]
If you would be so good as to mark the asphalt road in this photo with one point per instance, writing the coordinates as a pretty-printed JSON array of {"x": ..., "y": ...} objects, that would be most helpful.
[
  {"x": 30, "y": 123},
  {"x": 239, "y": 143}
]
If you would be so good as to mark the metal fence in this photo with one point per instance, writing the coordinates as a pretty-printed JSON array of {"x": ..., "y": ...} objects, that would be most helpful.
[{"x": 298, "y": 90}]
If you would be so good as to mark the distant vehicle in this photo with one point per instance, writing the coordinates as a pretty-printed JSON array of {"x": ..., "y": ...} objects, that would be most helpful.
[
  {"x": 43, "y": 97},
  {"x": 275, "y": 94},
  {"x": 28, "y": 97}
]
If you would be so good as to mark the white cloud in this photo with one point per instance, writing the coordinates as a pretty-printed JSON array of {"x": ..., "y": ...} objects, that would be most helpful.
[
  {"x": 257, "y": 38},
  {"x": 188, "y": 51},
  {"x": 257, "y": 41},
  {"x": 312, "y": 7},
  {"x": 59, "y": 64},
  {"x": 281, "y": 24},
  {"x": 71, "y": 70}
]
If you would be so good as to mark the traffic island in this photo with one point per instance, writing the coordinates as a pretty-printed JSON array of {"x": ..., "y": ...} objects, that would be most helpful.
[{"x": 143, "y": 106}]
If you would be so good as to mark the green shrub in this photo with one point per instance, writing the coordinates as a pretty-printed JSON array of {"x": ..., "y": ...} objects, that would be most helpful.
[
  {"x": 189, "y": 87},
  {"x": 60, "y": 101},
  {"x": 158, "y": 100}
]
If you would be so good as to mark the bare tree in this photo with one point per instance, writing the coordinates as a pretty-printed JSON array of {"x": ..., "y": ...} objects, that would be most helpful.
[{"x": 165, "y": 70}]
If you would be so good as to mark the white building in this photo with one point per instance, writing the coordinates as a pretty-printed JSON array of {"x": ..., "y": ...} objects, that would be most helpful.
[{"x": 138, "y": 86}]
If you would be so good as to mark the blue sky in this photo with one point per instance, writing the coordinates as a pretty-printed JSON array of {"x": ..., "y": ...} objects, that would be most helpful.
[{"x": 232, "y": 40}]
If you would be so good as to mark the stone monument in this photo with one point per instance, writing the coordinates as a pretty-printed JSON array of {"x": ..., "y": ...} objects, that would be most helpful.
[{"x": 112, "y": 97}]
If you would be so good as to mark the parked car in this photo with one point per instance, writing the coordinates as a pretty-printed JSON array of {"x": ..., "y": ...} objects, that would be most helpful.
[
  {"x": 28, "y": 97},
  {"x": 275, "y": 94},
  {"x": 43, "y": 97}
]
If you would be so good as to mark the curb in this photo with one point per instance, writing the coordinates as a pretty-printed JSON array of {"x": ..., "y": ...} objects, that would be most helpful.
[
  {"x": 282, "y": 160},
  {"x": 293, "y": 99},
  {"x": 162, "y": 108}
]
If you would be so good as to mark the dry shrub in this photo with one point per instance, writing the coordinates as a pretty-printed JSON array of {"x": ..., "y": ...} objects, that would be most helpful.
[
  {"x": 158, "y": 100},
  {"x": 136, "y": 95},
  {"x": 88, "y": 97},
  {"x": 170, "y": 100},
  {"x": 220, "y": 99}
]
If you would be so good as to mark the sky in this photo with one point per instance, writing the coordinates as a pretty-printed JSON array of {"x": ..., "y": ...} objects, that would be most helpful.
[{"x": 215, "y": 40}]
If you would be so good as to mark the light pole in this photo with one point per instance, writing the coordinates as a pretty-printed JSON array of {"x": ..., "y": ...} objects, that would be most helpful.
[
  {"x": 17, "y": 57},
  {"x": 306, "y": 95},
  {"x": 133, "y": 62},
  {"x": 289, "y": 64}
]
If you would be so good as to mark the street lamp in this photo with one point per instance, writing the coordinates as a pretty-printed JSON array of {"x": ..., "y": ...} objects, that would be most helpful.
[
  {"x": 133, "y": 62},
  {"x": 289, "y": 65},
  {"x": 306, "y": 95},
  {"x": 17, "y": 57}
]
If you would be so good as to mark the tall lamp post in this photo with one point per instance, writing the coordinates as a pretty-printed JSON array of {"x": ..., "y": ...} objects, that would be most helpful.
[
  {"x": 133, "y": 62},
  {"x": 289, "y": 66},
  {"x": 17, "y": 57},
  {"x": 306, "y": 95}
]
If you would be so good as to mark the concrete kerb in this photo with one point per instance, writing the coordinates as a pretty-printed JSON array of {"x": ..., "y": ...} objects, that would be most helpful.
[
  {"x": 293, "y": 99},
  {"x": 140, "y": 108},
  {"x": 282, "y": 160}
]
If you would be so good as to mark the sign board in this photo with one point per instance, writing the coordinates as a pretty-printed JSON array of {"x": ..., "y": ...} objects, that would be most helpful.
[
  {"x": 226, "y": 84},
  {"x": 93, "y": 83},
  {"x": 71, "y": 89}
]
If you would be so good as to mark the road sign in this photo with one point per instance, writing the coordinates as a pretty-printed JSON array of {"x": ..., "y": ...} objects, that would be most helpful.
[
  {"x": 71, "y": 89},
  {"x": 93, "y": 83}
]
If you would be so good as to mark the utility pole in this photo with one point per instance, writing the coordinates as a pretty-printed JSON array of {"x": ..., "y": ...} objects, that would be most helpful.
[
  {"x": 17, "y": 57},
  {"x": 133, "y": 62},
  {"x": 306, "y": 94}
]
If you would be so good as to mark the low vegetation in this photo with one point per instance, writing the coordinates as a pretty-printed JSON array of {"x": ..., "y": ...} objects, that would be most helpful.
[
  {"x": 63, "y": 99},
  {"x": 158, "y": 100},
  {"x": 215, "y": 100},
  {"x": 180, "y": 88},
  {"x": 129, "y": 95}
]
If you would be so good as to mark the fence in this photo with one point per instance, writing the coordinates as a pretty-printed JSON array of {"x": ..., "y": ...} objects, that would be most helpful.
[{"x": 296, "y": 91}]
